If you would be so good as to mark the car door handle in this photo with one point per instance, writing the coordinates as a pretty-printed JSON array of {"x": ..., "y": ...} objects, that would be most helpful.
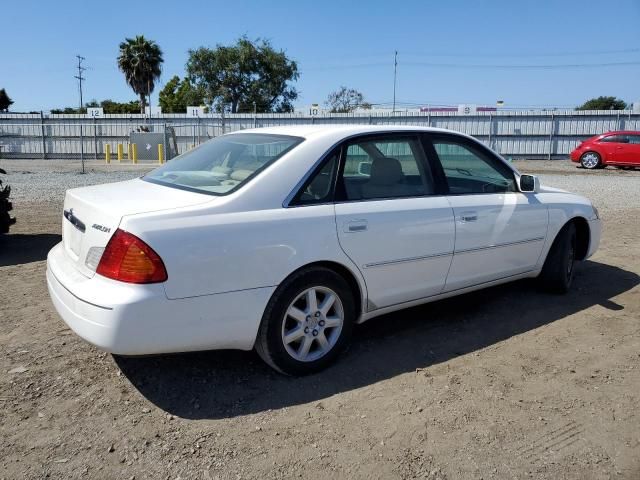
[
  {"x": 468, "y": 216},
  {"x": 356, "y": 226}
]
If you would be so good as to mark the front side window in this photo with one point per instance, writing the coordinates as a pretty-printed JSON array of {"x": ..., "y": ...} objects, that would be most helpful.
[
  {"x": 468, "y": 169},
  {"x": 223, "y": 164},
  {"x": 385, "y": 168}
]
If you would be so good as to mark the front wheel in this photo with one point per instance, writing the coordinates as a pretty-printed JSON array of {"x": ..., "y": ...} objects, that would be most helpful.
[
  {"x": 307, "y": 323},
  {"x": 590, "y": 160},
  {"x": 557, "y": 272}
]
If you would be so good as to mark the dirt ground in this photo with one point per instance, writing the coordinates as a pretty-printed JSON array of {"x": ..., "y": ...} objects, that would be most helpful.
[{"x": 504, "y": 383}]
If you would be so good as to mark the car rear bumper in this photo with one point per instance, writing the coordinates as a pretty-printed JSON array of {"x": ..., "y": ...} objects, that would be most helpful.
[{"x": 130, "y": 319}]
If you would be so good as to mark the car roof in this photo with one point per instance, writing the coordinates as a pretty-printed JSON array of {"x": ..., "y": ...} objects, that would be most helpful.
[
  {"x": 310, "y": 131},
  {"x": 621, "y": 132}
]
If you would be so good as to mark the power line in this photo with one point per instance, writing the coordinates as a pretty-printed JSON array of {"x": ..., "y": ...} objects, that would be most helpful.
[
  {"x": 558, "y": 66},
  {"x": 521, "y": 67},
  {"x": 523, "y": 54}
]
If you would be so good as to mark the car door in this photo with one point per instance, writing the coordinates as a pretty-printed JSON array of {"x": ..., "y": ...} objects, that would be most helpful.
[
  {"x": 390, "y": 221},
  {"x": 610, "y": 147},
  {"x": 630, "y": 151},
  {"x": 500, "y": 231}
]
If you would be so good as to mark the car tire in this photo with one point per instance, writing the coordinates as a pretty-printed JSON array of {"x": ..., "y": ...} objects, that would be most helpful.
[
  {"x": 296, "y": 337},
  {"x": 558, "y": 269},
  {"x": 591, "y": 160}
]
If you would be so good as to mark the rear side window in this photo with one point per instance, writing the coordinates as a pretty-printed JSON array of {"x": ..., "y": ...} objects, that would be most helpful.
[
  {"x": 319, "y": 188},
  {"x": 635, "y": 139},
  {"x": 223, "y": 164},
  {"x": 385, "y": 167},
  {"x": 615, "y": 139},
  {"x": 470, "y": 170}
]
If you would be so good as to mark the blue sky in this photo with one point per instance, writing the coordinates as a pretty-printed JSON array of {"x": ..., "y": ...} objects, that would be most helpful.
[{"x": 440, "y": 45}]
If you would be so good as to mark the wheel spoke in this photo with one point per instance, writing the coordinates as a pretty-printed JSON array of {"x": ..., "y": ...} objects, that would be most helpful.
[
  {"x": 322, "y": 341},
  {"x": 327, "y": 303},
  {"x": 304, "y": 348},
  {"x": 333, "y": 322},
  {"x": 312, "y": 300},
  {"x": 293, "y": 335},
  {"x": 296, "y": 314}
]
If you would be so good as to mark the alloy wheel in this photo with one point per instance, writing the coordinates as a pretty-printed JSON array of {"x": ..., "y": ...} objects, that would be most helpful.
[
  {"x": 312, "y": 324},
  {"x": 590, "y": 160}
]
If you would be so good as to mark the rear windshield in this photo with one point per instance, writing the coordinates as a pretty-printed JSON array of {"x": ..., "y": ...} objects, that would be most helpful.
[{"x": 223, "y": 164}]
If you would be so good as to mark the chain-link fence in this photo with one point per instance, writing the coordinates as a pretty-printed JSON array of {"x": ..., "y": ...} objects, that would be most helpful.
[{"x": 517, "y": 134}]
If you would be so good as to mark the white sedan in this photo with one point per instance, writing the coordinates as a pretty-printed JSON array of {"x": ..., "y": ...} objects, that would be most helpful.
[{"x": 281, "y": 239}]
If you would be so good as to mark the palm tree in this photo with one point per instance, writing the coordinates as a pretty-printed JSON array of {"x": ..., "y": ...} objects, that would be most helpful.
[{"x": 141, "y": 62}]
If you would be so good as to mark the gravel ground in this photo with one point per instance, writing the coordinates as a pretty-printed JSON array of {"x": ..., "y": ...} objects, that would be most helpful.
[{"x": 503, "y": 383}]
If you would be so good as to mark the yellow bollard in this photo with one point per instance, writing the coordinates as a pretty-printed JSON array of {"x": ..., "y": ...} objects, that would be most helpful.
[
  {"x": 107, "y": 153},
  {"x": 160, "y": 153},
  {"x": 134, "y": 152},
  {"x": 120, "y": 152}
]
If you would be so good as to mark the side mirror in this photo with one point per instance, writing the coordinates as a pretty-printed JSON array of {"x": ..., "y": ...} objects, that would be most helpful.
[{"x": 529, "y": 184}]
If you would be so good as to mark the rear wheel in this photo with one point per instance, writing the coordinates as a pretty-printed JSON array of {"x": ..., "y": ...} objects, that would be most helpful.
[
  {"x": 557, "y": 272},
  {"x": 307, "y": 323},
  {"x": 590, "y": 160}
]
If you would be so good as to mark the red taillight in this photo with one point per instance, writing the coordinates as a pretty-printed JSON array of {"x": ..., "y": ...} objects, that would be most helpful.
[{"x": 128, "y": 259}]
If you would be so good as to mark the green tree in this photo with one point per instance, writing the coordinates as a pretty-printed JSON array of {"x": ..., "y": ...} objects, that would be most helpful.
[
  {"x": 345, "y": 100},
  {"x": 141, "y": 62},
  {"x": 109, "y": 106},
  {"x": 177, "y": 95},
  {"x": 5, "y": 101},
  {"x": 68, "y": 110},
  {"x": 603, "y": 103},
  {"x": 244, "y": 76}
]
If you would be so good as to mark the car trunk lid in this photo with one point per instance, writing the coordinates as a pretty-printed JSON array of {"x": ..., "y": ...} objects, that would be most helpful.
[{"x": 91, "y": 215}]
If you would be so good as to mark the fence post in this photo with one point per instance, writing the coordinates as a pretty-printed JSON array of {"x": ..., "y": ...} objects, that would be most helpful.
[
  {"x": 490, "y": 129},
  {"x": 95, "y": 140},
  {"x": 42, "y": 134},
  {"x": 553, "y": 127},
  {"x": 164, "y": 140}
]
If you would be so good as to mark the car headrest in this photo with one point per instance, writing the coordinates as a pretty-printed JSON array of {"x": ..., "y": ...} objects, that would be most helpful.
[{"x": 386, "y": 171}]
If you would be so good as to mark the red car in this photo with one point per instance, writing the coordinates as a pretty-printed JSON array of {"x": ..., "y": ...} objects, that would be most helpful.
[{"x": 620, "y": 149}]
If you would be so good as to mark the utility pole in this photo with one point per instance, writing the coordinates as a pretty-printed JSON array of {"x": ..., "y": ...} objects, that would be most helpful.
[
  {"x": 80, "y": 79},
  {"x": 395, "y": 75}
]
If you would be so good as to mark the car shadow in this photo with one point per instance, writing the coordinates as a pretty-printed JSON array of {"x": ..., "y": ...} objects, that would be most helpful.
[
  {"x": 222, "y": 384},
  {"x": 17, "y": 248}
]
